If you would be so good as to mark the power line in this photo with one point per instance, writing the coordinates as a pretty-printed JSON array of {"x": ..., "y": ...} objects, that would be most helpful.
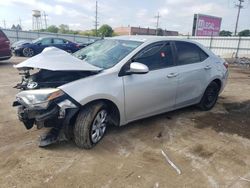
[
  {"x": 240, "y": 6},
  {"x": 157, "y": 22},
  {"x": 96, "y": 18}
]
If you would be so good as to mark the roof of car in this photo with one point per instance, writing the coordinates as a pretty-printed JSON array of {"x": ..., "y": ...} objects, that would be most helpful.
[{"x": 146, "y": 38}]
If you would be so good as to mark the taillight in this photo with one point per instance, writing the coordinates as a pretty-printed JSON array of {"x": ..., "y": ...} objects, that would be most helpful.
[{"x": 226, "y": 65}]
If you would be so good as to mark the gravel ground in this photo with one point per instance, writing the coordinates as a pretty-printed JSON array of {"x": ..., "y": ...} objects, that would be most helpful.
[{"x": 211, "y": 149}]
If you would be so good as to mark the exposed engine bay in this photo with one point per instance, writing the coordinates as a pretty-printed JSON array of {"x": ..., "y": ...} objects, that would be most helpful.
[
  {"x": 43, "y": 78},
  {"x": 40, "y": 101}
]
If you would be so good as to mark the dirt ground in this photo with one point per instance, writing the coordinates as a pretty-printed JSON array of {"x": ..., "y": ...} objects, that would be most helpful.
[{"x": 211, "y": 149}]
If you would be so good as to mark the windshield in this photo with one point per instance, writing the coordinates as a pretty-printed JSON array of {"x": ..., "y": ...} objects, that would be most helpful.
[{"x": 106, "y": 53}]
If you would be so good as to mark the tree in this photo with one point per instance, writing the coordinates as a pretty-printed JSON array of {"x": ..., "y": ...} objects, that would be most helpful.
[
  {"x": 225, "y": 33},
  {"x": 52, "y": 29},
  {"x": 244, "y": 33},
  {"x": 13, "y": 27},
  {"x": 105, "y": 31},
  {"x": 63, "y": 28},
  {"x": 159, "y": 32}
]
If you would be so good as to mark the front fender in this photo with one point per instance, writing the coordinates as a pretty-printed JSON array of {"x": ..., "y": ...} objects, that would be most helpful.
[{"x": 104, "y": 85}]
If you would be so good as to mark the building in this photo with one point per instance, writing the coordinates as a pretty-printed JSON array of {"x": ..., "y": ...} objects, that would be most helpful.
[{"x": 143, "y": 31}]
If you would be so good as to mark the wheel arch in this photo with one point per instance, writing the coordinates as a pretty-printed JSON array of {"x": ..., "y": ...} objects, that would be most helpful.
[
  {"x": 217, "y": 81},
  {"x": 112, "y": 107}
]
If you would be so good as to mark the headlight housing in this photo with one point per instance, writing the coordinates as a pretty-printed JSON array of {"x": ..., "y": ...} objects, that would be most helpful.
[{"x": 39, "y": 98}]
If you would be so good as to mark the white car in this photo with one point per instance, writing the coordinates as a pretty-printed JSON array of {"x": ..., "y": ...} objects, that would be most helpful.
[{"x": 115, "y": 81}]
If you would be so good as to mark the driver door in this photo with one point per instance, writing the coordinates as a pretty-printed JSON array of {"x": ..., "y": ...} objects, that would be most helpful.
[{"x": 154, "y": 92}]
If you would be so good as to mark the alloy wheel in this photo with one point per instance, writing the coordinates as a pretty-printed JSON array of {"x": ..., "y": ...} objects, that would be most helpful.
[
  {"x": 28, "y": 52},
  {"x": 99, "y": 126}
]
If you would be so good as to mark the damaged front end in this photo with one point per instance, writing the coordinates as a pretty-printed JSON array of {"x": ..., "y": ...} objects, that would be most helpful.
[
  {"x": 40, "y": 102},
  {"x": 49, "y": 107}
]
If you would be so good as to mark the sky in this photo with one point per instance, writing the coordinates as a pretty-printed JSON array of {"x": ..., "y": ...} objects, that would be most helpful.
[{"x": 80, "y": 14}]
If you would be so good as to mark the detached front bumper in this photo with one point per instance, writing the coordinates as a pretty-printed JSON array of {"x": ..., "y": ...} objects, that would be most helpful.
[{"x": 57, "y": 115}]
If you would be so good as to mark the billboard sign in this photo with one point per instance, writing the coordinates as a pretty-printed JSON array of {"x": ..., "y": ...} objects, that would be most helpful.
[{"x": 205, "y": 25}]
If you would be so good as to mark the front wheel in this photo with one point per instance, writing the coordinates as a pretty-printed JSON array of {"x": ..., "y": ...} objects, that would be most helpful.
[
  {"x": 210, "y": 97},
  {"x": 28, "y": 52},
  {"x": 90, "y": 125}
]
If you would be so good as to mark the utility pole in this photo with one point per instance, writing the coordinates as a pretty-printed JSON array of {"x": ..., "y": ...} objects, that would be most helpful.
[
  {"x": 45, "y": 19},
  {"x": 238, "y": 15},
  {"x": 96, "y": 18},
  {"x": 4, "y": 24},
  {"x": 157, "y": 22},
  {"x": 20, "y": 22}
]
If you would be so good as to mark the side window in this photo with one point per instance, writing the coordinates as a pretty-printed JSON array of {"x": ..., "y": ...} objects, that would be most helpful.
[
  {"x": 203, "y": 55},
  {"x": 46, "y": 41},
  {"x": 58, "y": 41},
  {"x": 156, "y": 56},
  {"x": 189, "y": 53},
  {"x": 66, "y": 41}
]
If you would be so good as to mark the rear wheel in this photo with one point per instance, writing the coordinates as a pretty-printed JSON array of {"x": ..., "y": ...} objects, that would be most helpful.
[
  {"x": 28, "y": 52},
  {"x": 210, "y": 97},
  {"x": 90, "y": 125}
]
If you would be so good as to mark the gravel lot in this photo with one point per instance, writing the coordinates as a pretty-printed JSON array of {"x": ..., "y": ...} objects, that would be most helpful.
[{"x": 211, "y": 149}]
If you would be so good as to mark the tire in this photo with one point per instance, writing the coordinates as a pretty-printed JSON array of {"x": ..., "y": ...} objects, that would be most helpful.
[
  {"x": 28, "y": 52},
  {"x": 86, "y": 122},
  {"x": 210, "y": 97}
]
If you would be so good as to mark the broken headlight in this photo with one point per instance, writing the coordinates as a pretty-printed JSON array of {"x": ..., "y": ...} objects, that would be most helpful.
[{"x": 39, "y": 98}]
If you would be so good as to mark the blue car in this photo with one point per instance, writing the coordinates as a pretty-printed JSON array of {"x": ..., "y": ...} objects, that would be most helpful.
[{"x": 29, "y": 49}]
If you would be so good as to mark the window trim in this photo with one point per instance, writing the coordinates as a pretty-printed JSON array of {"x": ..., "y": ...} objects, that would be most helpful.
[
  {"x": 125, "y": 67},
  {"x": 176, "y": 53}
]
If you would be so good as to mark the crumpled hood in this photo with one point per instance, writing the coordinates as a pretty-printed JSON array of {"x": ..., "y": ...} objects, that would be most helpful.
[{"x": 56, "y": 59}]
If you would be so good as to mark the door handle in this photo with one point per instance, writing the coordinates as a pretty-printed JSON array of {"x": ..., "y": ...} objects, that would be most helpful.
[
  {"x": 171, "y": 75},
  {"x": 207, "y": 67}
]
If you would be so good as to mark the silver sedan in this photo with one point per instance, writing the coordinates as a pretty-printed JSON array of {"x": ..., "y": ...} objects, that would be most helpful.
[{"x": 113, "y": 82}]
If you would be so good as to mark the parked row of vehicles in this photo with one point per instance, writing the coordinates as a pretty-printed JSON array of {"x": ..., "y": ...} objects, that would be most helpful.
[{"x": 31, "y": 48}]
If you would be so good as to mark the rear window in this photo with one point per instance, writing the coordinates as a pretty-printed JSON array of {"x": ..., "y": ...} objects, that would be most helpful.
[{"x": 189, "y": 53}]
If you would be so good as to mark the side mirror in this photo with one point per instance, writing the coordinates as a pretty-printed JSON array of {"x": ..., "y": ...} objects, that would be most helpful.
[
  {"x": 39, "y": 43},
  {"x": 138, "y": 68}
]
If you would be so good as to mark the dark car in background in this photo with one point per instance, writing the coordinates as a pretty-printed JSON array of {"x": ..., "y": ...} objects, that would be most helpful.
[
  {"x": 19, "y": 43},
  {"x": 36, "y": 46},
  {"x": 5, "y": 51}
]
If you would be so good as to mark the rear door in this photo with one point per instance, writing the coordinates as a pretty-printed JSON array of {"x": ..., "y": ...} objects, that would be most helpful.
[
  {"x": 194, "y": 73},
  {"x": 154, "y": 92}
]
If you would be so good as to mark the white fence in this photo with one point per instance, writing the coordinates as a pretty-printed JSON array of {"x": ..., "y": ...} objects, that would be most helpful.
[
  {"x": 15, "y": 35},
  {"x": 222, "y": 46},
  {"x": 226, "y": 46}
]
